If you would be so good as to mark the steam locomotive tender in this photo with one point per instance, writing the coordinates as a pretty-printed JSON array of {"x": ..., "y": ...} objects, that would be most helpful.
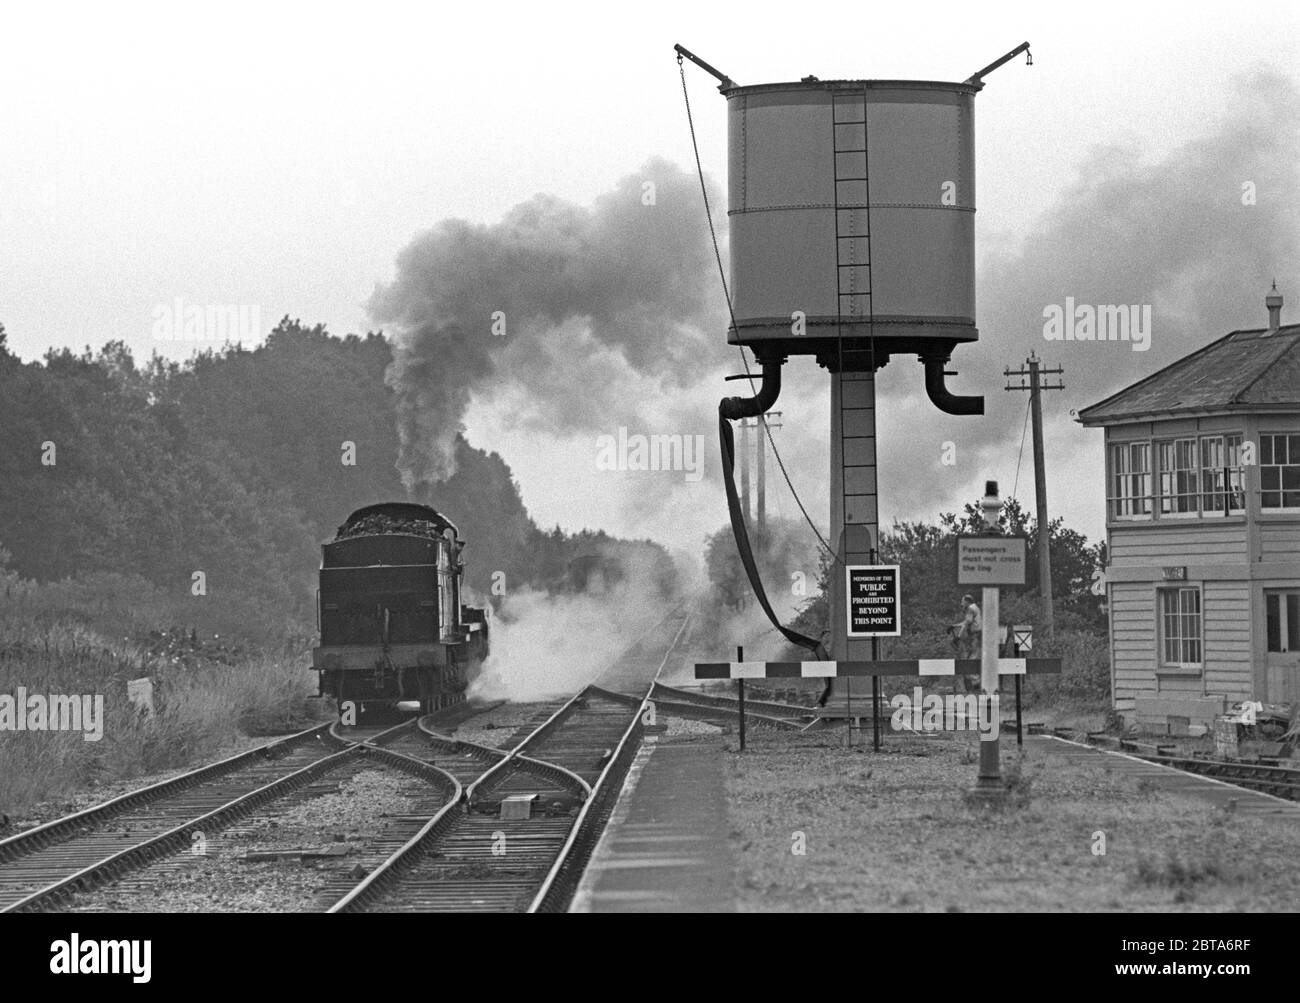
[{"x": 392, "y": 627}]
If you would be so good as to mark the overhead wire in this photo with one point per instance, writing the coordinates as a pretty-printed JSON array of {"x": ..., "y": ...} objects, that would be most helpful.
[
  {"x": 726, "y": 292},
  {"x": 1016, "y": 483}
]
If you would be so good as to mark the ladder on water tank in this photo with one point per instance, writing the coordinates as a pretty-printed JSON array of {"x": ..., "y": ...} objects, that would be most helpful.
[{"x": 858, "y": 482}]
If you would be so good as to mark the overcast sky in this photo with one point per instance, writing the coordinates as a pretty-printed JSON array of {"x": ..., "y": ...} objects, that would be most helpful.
[{"x": 283, "y": 156}]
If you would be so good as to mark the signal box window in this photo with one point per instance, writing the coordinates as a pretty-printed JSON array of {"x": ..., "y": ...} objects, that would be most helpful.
[
  {"x": 1180, "y": 628},
  {"x": 1279, "y": 472}
]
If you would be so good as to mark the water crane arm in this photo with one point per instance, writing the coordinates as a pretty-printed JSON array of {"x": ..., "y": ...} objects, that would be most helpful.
[
  {"x": 732, "y": 409},
  {"x": 976, "y": 78},
  {"x": 940, "y": 396},
  {"x": 769, "y": 389},
  {"x": 725, "y": 82}
]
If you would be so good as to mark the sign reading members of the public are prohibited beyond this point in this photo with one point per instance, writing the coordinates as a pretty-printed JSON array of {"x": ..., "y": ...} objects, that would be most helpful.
[
  {"x": 873, "y": 600},
  {"x": 990, "y": 560}
]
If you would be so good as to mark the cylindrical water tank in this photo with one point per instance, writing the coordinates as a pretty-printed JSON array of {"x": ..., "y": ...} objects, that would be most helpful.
[{"x": 851, "y": 212}]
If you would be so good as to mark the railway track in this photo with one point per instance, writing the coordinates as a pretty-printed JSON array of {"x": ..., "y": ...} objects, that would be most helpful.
[
  {"x": 758, "y": 713},
  {"x": 474, "y": 857},
  {"x": 568, "y": 771},
  {"x": 772, "y": 708},
  {"x": 647, "y": 655},
  {"x": 45, "y": 867},
  {"x": 1279, "y": 781},
  {"x": 450, "y": 850},
  {"x": 46, "y": 854},
  {"x": 289, "y": 853},
  {"x": 466, "y": 761},
  {"x": 134, "y": 842}
]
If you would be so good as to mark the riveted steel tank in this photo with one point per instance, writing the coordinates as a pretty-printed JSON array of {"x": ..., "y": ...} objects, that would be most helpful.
[{"x": 851, "y": 211}]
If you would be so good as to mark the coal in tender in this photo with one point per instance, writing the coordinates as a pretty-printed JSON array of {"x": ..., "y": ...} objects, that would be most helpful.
[{"x": 377, "y": 525}]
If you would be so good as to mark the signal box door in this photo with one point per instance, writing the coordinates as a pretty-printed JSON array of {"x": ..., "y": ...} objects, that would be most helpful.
[{"x": 1282, "y": 636}]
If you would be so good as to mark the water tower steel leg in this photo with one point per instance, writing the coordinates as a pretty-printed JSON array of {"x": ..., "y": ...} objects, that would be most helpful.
[{"x": 854, "y": 503}]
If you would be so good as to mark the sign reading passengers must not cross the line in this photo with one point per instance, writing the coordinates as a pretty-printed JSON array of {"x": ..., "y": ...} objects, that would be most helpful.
[{"x": 990, "y": 561}]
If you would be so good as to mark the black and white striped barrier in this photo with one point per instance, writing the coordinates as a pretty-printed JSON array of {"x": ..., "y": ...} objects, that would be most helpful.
[
  {"x": 927, "y": 667},
  {"x": 895, "y": 667}
]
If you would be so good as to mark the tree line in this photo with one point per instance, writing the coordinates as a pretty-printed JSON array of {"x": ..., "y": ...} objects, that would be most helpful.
[
  {"x": 238, "y": 463},
  {"x": 792, "y": 562}
]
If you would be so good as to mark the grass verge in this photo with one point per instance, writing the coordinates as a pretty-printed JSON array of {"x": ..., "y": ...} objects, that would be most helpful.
[
  {"x": 894, "y": 832},
  {"x": 199, "y": 709}
]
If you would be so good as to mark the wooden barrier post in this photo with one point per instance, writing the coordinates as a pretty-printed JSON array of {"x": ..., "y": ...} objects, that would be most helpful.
[
  {"x": 740, "y": 657},
  {"x": 875, "y": 712},
  {"x": 1020, "y": 739}
]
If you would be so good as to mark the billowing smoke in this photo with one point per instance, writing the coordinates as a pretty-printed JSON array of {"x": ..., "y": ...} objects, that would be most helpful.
[
  {"x": 789, "y": 564},
  {"x": 1197, "y": 235},
  {"x": 573, "y": 318},
  {"x": 1180, "y": 235},
  {"x": 548, "y": 644},
  {"x": 613, "y": 316}
]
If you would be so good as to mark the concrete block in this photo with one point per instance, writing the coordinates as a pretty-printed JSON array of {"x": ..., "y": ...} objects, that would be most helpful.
[{"x": 517, "y": 807}]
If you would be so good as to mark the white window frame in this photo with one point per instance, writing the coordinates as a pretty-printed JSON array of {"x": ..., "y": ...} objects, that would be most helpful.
[
  {"x": 1155, "y": 486},
  {"x": 1120, "y": 499},
  {"x": 1292, "y": 461},
  {"x": 1212, "y": 476},
  {"x": 1169, "y": 474},
  {"x": 1182, "y": 619}
]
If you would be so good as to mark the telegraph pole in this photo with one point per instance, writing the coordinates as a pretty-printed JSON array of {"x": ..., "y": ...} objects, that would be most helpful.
[
  {"x": 1035, "y": 388},
  {"x": 763, "y": 422}
]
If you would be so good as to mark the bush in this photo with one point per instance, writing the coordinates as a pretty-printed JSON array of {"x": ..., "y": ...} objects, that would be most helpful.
[
  {"x": 1085, "y": 670},
  {"x": 130, "y": 608}
]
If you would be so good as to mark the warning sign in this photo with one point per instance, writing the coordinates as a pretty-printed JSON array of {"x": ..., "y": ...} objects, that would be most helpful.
[
  {"x": 990, "y": 560},
  {"x": 873, "y": 600}
]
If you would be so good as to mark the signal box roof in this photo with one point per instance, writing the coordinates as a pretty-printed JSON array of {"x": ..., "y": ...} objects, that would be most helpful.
[{"x": 1255, "y": 370}]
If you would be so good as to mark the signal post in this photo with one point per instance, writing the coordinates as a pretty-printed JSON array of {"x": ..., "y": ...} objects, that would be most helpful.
[{"x": 990, "y": 561}]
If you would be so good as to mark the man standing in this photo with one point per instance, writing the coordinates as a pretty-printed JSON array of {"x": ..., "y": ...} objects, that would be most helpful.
[{"x": 972, "y": 627}]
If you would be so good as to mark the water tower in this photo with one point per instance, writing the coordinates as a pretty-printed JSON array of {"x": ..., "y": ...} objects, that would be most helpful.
[{"x": 851, "y": 213}]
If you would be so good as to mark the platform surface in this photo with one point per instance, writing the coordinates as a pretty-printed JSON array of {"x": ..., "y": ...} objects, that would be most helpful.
[
  {"x": 668, "y": 849},
  {"x": 667, "y": 845}
]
